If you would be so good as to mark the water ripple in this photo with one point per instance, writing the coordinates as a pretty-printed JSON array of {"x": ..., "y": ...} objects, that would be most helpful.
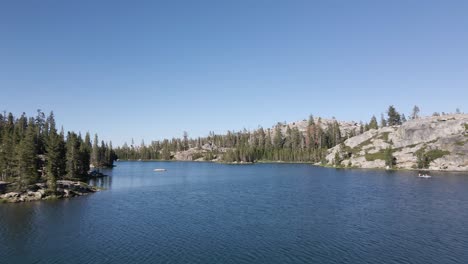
[{"x": 213, "y": 213}]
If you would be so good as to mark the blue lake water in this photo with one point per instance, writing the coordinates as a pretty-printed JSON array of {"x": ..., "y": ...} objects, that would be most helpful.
[{"x": 263, "y": 213}]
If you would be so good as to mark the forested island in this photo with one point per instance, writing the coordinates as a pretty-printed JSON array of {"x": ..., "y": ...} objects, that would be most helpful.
[{"x": 37, "y": 161}]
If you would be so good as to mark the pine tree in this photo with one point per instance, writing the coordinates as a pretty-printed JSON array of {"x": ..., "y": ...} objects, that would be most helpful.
[
  {"x": 112, "y": 156},
  {"x": 26, "y": 158},
  {"x": 185, "y": 142},
  {"x": 415, "y": 113},
  {"x": 394, "y": 117},
  {"x": 278, "y": 137},
  {"x": 403, "y": 118},
  {"x": 310, "y": 132},
  {"x": 373, "y": 123},
  {"x": 336, "y": 134},
  {"x": 95, "y": 152},
  {"x": 296, "y": 139},
  {"x": 84, "y": 156},
  {"x": 85, "y": 153},
  {"x": 268, "y": 141},
  {"x": 7, "y": 147},
  {"x": 261, "y": 138},
  {"x": 166, "y": 153},
  {"x": 55, "y": 162},
  {"x": 40, "y": 124},
  {"x": 288, "y": 138},
  {"x": 102, "y": 155},
  {"x": 319, "y": 136},
  {"x": 73, "y": 155},
  {"x": 21, "y": 126},
  {"x": 383, "y": 121},
  {"x": 361, "y": 127}
]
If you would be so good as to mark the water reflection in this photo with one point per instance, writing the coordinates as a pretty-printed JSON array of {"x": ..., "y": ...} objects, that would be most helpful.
[{"x": 103, "y": 183}]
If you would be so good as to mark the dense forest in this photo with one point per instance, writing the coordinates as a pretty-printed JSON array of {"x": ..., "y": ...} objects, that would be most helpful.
[
  {"x": 247, "y": 146},
  {"x": 32, "y": 150},
  {"x": 280, "y": 143}
]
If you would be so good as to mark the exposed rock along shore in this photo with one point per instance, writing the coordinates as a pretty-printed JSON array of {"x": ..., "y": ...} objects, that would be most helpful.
[
  {"x": 443, "y": 139},
  {"x": 65, "y": 189}
]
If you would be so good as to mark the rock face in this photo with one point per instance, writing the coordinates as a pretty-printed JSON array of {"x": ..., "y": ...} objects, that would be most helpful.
[
  {"x": 200, "y": 154},
  {"x": 444, "y": 140},
  {"x": 65, "y": 189}
]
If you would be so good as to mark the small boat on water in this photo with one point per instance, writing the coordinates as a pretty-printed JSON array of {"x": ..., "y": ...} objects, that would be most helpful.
[
  {"x": 424, "y": 176},
  {"x": 159, "y": 170}
]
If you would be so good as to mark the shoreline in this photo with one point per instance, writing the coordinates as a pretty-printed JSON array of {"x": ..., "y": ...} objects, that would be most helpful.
[
  {"x": 40, "y": 192},
  {"x": 292, "y": 162}
]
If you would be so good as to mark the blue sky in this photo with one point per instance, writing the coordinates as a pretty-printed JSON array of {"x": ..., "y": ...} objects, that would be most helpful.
[{"x": 152, "y": 69}]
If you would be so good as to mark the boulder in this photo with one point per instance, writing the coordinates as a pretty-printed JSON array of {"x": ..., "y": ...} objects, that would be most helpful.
[{"x": 11, "y": 195}]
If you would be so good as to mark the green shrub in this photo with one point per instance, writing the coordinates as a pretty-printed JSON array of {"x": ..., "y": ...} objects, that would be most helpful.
[
  {"x": 375, "y": 156},
  {"x": 385, "y": 155},
  {"x": 209, "y": 156},
  {"x": 197, "y": 155},
  {"x": 337, "y": 160},
  {"x": 358, "y": 148},
  {"x": 424, "y": 158},
  {"x": 384, "y": 136},
  {"x": 436, "y": 153}
]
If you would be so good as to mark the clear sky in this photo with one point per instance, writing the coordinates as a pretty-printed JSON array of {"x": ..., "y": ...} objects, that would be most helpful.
[{"x": 152, "y": 69}]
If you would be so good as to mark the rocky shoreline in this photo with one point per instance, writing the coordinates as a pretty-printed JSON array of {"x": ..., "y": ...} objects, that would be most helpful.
[
  {"x": 431, "y": 143},
  {"x": 39, "y": 191}
]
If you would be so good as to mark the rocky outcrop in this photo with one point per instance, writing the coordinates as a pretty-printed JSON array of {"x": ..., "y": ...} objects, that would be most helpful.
[
  {"x": 211, "y": 152},
  {"x": 204, "y": 153},
  {"x": 444, "y": 141},
  {"x": 65, "y": 189}
]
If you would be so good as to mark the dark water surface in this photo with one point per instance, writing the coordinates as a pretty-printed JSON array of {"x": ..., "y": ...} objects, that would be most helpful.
[{"x": 266, "y": 213}]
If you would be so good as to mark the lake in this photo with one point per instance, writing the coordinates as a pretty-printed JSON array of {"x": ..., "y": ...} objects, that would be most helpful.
[{"x": 262, "y": 213}]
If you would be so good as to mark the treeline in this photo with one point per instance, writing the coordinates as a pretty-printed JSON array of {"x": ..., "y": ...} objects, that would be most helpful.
[
  {"x": 157, "y": 150},
  {"x": 282, "y": 143},
  {"x": 394, "y": 118},
  {"x": 33, "y": 150}
]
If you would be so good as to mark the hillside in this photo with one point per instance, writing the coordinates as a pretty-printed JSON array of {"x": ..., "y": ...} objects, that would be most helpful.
[
  {"x": 213, "y": 150},
  {"x": 435, "y": 143}
]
